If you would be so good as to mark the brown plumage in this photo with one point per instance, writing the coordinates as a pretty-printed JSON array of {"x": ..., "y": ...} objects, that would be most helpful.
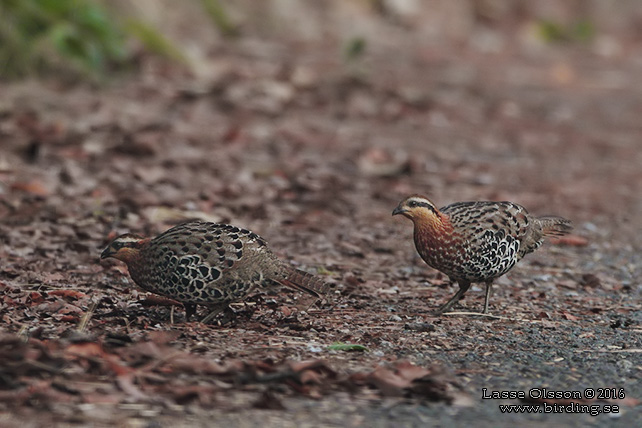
[
  {"x": 200, "y": 263},
  {"x": 476, "y": 241}
]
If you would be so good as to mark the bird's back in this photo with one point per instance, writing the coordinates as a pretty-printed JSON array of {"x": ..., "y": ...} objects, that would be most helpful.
[
  {"x": 473, "y": 219},
  {"x": 212, "y": 263},
  {"x": 201, "y": 262},
  {"x": 491, "y": 238}
]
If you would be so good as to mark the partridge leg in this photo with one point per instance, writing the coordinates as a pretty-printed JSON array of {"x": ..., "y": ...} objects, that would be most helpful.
[
  {"x": 190, "y": 309},
  {"x": 489, "y": 285},
  {"x": 463, "y": 287}
]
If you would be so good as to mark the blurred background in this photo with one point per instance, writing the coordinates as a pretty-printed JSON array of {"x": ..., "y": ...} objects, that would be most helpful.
[
  {"x": 304, "y": 112},
  {"x": 96, "y": 37},
  {"x": 315, "y": 113},
  {"x": 307, "y": 121}
]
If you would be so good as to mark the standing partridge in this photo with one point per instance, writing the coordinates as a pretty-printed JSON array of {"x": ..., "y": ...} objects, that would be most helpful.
[
  {"x": 476, "y": 241},
  {"x": 200, "y": 263}
]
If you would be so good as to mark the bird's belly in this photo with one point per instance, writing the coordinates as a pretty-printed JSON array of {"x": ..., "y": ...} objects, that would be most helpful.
[
  {"x": 471, "y": 264},
  {"x": 189, "y": 279},
  {"x": 446, "y": 260}
]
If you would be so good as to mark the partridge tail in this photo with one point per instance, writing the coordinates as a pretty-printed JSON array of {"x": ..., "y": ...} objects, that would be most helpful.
[
  {"x": 555, "y": 226},
  {"x": 303, "y": 281}
]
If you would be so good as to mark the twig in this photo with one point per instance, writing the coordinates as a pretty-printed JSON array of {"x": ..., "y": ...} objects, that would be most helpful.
[
  {"x": 84, "y": 321},
  {"x": 484, "y": 315}
]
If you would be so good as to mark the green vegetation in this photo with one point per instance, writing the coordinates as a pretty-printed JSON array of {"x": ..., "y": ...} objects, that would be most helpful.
[
  {"x": 38, "y": 35},
  {"x": 220, "y": 18},
  {"x": 81, "y": 37},
  {"x": 552, "y": 32},
  {"x": 347, "y": 347},
  {"x": 154, "y": 41},
  {"x": 355, "y": 48}
]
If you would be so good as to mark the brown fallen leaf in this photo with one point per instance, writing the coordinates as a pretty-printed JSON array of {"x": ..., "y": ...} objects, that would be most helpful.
[
  {"x": 162, "y": 337},
  {"x": 388, "y": 382},
  {"x": 84, "y": 350},
  {"x": 36, "y": 297},
  {"x": 441, "y": 385},
  {"x": 543, "y": 315},
  {"x": 125, "y": 382},
  {"x": 187, "y": 394},
  {"x": 268, "y": 401},
  {"x": 569, "y": 317},
  {"x": 35, "y": 187},
  {"x": 408, "y": 380},
  {"x": 185, "y": 362},
  {"x": 591, "y": 280},
  {"x": 71, "y": 294},
  {"x": 68, "y": 318},
  {"x": 299, "y": 366}
]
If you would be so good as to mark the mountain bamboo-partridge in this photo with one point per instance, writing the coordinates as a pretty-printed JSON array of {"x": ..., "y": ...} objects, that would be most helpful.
[
  {"x": 211, "y": 264},
  {"x": 475, "y": 241}
]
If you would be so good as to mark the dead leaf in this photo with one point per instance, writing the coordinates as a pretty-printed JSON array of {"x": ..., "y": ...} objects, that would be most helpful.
[
  {"x": 388, "y": 382},
  {"x": 84, "y": 350},
  {"x": 591, "y": 280},
  {"x": 569, "y": 317},
  {"x": 35, "y": 187},
  {"x": 192, "y": 364},
  {"x": 200, "y": 394},
  {"x": 409, "y": 380},
  {"x": 70, "y": 294},
  {"x": 268, "y": 401}
]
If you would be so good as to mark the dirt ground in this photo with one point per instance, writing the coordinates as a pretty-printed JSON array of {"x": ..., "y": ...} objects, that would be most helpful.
[{"x": 313, "y": 152}]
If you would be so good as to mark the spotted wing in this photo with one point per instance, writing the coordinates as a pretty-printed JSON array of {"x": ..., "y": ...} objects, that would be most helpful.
[
  {"x": 493, "y": 234},
  {"x": 201, "y": 262}
]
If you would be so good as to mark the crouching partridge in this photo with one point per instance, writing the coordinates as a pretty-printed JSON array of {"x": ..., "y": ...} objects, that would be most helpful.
[{"x": 211, "y": 264}]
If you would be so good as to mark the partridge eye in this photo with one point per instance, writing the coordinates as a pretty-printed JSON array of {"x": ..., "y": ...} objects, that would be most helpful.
[{"x": 413, "y": 204}]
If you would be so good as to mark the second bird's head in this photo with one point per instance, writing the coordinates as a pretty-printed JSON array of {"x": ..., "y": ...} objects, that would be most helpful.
[
  {"x": 417, "y": 208},
  {"x": 124, "y": 247}
]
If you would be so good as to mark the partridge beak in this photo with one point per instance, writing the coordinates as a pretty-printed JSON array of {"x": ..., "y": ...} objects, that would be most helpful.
[
  {"x": 399, "y": 210},
  {"x": 106, "y": 253}
]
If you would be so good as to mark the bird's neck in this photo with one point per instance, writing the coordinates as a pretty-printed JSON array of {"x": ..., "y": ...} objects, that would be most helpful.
[{"x": 431, "y": 231}]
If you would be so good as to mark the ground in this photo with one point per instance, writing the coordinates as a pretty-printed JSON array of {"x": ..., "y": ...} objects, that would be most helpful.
[{"x": 313, "y": 153}]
